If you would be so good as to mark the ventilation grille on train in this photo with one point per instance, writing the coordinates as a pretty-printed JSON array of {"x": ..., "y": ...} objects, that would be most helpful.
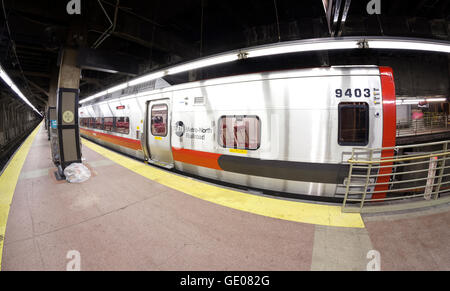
[{"x": 199, "y": 100}]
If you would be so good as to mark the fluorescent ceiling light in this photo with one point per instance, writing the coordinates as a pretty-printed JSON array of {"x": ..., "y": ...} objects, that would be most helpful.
[
  {"x": 415, "y": 101},
  {"x": 436, "y": 99},
  {"x": 301, "y": 47},
  {"x": 221, "y": 59},
  {"x": 117, "y": 88},
  {"x": 203, "y": 63},
  {"x": 306, "y": 45},
  {"x": 16, "y": 90},
  {"x": 100, "y": 94},
  {"x": 5, "y": 77},
  {"x": 408, "y": 45},
  {"x": 146, "y": 78}
]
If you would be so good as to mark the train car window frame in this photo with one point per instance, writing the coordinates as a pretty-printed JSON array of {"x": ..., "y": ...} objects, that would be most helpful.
[
  {"x": 220, "y": 132},
  {"x": 116, "y": 129},
  {"x": 108, "y": 128},
  {"x": 151, "y": 119},
  {"x": 91, "y": 122},
  {"x": 96, "y": 119},
  {"x": 359, "y": 141}
]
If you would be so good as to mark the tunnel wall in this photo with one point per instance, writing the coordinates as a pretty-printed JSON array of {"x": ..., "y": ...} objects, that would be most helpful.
[{"x": 17, "y": 120}]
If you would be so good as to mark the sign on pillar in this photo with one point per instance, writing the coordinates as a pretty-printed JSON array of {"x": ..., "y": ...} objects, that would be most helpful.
[
  {"x": 51, "y": 121},
  {"x": 53, "y": 134},
  {"x": 68, "y": 130}
]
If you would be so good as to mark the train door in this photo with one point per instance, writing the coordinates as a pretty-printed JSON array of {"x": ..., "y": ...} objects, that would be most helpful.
[{"x": 158, "y": 132}]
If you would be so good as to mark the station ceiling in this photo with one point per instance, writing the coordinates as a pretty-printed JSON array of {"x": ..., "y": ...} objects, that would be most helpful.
[{"x": 144, "y": 35}]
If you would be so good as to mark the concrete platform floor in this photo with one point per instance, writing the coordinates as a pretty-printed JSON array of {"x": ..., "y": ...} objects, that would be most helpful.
[{"x": 119, "y": 220}]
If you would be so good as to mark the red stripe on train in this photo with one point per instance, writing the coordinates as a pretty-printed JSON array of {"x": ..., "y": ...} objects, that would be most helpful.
[
  {"x": 133, "y": 144},
  {"x": 389, "y": 127}
]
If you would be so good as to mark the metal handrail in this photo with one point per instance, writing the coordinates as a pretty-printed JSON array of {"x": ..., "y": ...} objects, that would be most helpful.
[
  {"x": 437, "y": 122},
  {"x": 381, "y": 175},
  {"x": 417, "y": 145},
  {"x": 398, "y": 160},
  {"x": 398, "y": 182},
  {"x": 396, "y": 192},
  {"x": 399, "y": 165}
]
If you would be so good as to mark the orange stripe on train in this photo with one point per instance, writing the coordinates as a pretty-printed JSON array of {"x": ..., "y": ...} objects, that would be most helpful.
[
  {"x": 198, "y": 158},
  {"x": 133, "y": 144}
]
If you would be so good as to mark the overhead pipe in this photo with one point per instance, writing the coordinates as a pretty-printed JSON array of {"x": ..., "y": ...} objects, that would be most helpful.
[
  {"x": 128, "y": 11},
  {"x": 344, "y": 16},
  {"x": 110, "y": 29},
  {"x": 109, "y": 19}
]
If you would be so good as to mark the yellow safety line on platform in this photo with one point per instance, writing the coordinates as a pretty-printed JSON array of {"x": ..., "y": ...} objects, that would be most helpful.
[
  {"x": 271, "y": 207},
  {"x": 8, "y": 182}
]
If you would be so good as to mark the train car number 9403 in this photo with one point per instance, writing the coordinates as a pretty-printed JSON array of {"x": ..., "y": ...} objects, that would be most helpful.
[{"x": 353, "y": 93}]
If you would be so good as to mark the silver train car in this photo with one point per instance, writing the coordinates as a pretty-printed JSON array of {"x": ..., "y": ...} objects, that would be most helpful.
[{"x": 287, "y": 131}]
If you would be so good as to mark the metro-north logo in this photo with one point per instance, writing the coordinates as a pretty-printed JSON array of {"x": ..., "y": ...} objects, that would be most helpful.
[{"x": 179, "y": 128}]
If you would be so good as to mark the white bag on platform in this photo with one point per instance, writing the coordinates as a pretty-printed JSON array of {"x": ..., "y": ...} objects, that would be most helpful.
[{"x": 77, "y": 173}]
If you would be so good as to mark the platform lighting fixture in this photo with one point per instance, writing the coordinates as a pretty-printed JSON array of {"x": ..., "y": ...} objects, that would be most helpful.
[
  {"x": 221, "y": 59},
  {"x": 308, "y": 45},
  {"x": 146, "y": 78},
  {"x": 409, "y": 45},
  {"x": 4, "y": 76},
  {"x": 279, "y": 49},
  {"x": 117, "y": 88},
  {"x": 415, "y": 101}
]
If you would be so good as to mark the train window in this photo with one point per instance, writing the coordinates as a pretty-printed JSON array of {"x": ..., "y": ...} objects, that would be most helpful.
[
  {"x": 353, "y": 123},
  {"x": 240, "y": 132},
  {"x": 159, "y": 120},
  {"x": 98, "y": 123},
  {"x": 85, "y": 122},
  {"x": 108, "y": 123},
  {"x": 122, "y": 125}
]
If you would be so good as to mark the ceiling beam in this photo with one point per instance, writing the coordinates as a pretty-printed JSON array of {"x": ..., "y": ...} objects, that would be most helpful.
[
  {"x": 344, "y": 17},
  {"x": 40, "y": 89},
  {"x": 31, "y": 74}
]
